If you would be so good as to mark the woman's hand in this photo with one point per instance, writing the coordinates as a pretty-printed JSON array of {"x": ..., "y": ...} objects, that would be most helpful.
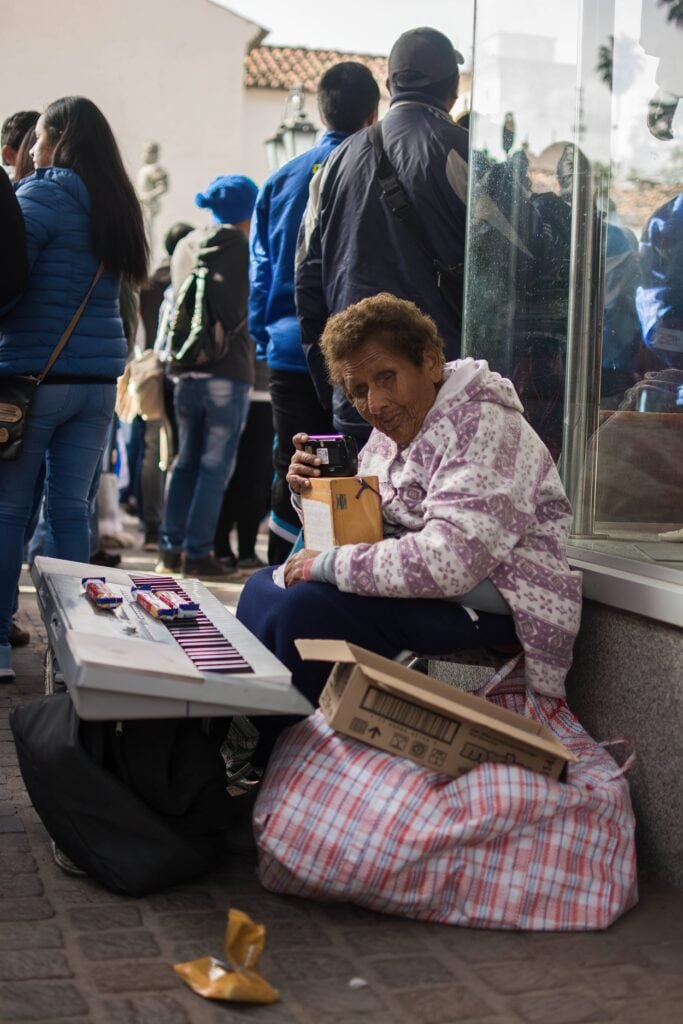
[
  {"x": 295, "y": 567},
  {"x": 303, "y": 465}
]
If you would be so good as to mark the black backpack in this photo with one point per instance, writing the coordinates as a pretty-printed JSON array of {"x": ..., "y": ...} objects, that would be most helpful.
[
  {"x": 197, "y": 339},
  {"x": 140, "y": 805}
]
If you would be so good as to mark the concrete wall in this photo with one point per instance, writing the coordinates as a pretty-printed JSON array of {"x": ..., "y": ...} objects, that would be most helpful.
[{"x": 627, "y": 680}]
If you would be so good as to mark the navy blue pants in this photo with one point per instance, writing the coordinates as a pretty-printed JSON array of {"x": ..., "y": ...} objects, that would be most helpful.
[{"x": 385, "y": 625}]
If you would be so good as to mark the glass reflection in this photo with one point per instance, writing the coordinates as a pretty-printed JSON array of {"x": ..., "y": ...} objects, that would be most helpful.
[{"x": 577, "y": 172}]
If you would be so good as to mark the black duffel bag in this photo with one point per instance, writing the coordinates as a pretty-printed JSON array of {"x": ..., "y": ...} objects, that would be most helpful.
[{"x": 139, "y": 806}]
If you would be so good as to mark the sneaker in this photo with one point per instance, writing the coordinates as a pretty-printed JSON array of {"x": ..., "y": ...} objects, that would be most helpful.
[
  {"x": 208, "y": 567},
  {"x": 7, "y": 673},
  {"x": 109, "y": 561},
  {"x": 151, "y": 540},
  {"x": 169, "y": 561},
  {"x": 18, "y": 637}
]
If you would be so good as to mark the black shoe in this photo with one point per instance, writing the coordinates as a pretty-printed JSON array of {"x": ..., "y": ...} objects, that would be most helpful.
[
  {"x": 207, "y": 568},
  {"x": 18, "y": 637},
  {"x": 151, "y": 540},
  {"x": 250, "y": 563},
  {"x": 169, "y": 561},
  {"x": 110, "y": 561}
]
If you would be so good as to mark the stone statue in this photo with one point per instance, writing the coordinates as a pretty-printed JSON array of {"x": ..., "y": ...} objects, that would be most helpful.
[{"x": 152, "y": 184}]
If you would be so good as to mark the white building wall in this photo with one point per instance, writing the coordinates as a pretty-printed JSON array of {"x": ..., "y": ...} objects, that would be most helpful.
[{"x": 168, "y": 71}]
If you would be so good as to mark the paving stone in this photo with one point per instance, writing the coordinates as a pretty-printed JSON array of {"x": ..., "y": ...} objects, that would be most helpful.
[
  {"x": 262, "y": 905},
  {"x": 25, "y": 909},
  {"x": 475, "y": 946},
  {"x": 133, "y": 977},
  {"x": 206, "y": 1012},
  {"x": 287, "y": 932},
  {"x": 624, "y": 982},
  {"x": 30, "y": 935},
  {"x": 144, "y": 1010},
  {"x": 654, "y": 1010},
  {"x": 14, "y": 843},
  {"x": 564, "y": 1007},
  {"x": 443, "y": 1005},
  {"x": 377, "y": 1018},
  {"x": 666, "y": 955},
  {"x": 181, "y": 900},
  {"x": 410, "y": 971},
  {"x": 210, "y": 927},
  {"x": 84, "y": 892},
  {"x": 12, "y": 823},
  {"x": 193, "y": 949},
  {"x": 41, "y": 1001},
  {"x": 295, "y": 967},
  {"x": 588, "y": 949},
  {"x": 385, "y": 937},
  {"x": 21, "y": 965},
  {"x": 89, "y": 919},
  {"x": 347, "y": 915},
  {"x": 530, "y": 976},
  {"x": 20, "y": 885},
  {"x": 118, "y": 945},
  {"x": 327, "y": 999},
  {"x": 17, "y": 864}
]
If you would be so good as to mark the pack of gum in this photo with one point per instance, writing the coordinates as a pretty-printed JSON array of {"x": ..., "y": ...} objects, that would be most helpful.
[
  {"x": 153, "y": 603},
  {"x": 99, "y": 593}
]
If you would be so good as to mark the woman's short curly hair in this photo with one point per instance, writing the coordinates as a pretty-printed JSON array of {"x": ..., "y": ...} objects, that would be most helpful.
[{"x": 396, "y": 322}]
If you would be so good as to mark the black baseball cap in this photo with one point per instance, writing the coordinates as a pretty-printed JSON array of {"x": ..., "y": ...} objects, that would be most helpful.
[{"x": 422, "y": 57}]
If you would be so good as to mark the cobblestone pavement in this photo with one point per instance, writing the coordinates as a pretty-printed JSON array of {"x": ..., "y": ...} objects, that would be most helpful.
[{"x": 72, "y": 952}]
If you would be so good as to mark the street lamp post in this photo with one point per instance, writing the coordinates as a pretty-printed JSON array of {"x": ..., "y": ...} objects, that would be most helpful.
[{"x": 296, "y": 133}]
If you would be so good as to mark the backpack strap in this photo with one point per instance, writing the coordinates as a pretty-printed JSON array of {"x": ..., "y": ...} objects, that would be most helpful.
[{"x": 398, "y": 202}]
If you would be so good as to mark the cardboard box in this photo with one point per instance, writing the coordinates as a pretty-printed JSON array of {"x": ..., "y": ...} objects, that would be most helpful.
[
  {"x": 436, "y": 725},
  {"x": 342, "y": 510}
]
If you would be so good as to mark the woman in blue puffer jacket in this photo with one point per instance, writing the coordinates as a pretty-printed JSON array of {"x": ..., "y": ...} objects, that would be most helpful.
[{"x": 80, "y": 210}]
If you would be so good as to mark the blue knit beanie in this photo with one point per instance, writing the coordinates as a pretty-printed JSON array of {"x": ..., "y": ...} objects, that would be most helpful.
[{"x": 230, "y": 197}]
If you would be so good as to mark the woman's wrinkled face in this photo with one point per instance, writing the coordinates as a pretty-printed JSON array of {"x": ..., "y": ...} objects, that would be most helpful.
[
  {"x": 389, "y": 391},
  {"x": 42, "y": 151}
]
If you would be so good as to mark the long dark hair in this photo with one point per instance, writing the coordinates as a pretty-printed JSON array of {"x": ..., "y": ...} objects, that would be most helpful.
[
  {"x": 24, "y": 162},
  {"x": 85, "y": 143}
]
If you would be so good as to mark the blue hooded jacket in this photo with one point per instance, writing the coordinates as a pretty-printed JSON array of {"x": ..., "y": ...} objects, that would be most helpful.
[
  {"x": 279, "y": 208},
  {"x": 56, "y": 209}
]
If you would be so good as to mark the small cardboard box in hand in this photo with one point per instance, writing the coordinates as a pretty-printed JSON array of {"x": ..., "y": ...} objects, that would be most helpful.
[{"x": 341, "y": 510}]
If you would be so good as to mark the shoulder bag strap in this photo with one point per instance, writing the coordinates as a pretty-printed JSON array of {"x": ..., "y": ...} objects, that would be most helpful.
[
  {"x": 57, "y": 350},
  {"x": 399, "y": 204}
]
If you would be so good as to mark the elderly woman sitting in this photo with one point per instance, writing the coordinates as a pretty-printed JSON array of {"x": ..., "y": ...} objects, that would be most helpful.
[{"x": 475, "y": 516}]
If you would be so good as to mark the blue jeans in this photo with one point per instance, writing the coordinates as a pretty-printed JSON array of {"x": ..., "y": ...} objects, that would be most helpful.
[
  {"x": 211, "y": 413},
  {"x": 66, "y": 429}
]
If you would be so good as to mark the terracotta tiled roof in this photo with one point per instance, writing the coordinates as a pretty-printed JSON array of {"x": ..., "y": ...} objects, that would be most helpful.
[{"x": 283, "y": 67}]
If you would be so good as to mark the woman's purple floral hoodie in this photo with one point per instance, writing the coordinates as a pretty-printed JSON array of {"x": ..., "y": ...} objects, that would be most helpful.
[{"x": 475, "y": 495}]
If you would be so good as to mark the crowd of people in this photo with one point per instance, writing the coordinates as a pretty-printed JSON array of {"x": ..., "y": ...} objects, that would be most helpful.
[{"x": 328, "y": 300}]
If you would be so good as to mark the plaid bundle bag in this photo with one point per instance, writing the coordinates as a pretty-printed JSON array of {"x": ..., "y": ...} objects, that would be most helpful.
[{"x": 500, "y": 847}]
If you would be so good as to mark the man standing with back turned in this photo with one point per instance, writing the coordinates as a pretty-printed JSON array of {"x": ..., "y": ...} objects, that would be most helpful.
[
  {"x": 354, "y": 245},
  {"x": 348, "y": 97}
]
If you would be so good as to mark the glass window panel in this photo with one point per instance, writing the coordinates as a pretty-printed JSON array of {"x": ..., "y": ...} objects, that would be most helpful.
[{"x": 574, "y": 283}]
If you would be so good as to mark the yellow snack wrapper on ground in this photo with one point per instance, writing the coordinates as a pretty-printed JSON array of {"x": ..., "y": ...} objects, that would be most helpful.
[{"x": 209, "y": 977}]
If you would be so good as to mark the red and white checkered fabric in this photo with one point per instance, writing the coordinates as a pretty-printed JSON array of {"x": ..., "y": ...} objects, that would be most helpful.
[{"x": 501, "y": 847}]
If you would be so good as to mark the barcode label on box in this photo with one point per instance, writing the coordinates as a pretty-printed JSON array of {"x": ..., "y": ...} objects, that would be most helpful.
[{"x": 395, "y": 709}]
